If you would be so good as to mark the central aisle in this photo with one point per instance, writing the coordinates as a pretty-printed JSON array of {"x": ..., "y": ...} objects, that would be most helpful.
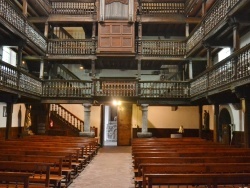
[{"x": 110, "y": 168}]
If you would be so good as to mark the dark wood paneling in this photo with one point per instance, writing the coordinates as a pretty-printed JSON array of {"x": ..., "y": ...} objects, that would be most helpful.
[
  {"x": 13, "y": 132},
  {"x": 165, "y": 133},
  {"x": 116, "y": 37},
  {"x": 124, "y": 116}
]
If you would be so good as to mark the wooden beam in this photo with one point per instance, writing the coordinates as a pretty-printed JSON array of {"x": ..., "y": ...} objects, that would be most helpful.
[
  {"x": 70, "y": 19},
  {"x": 170, "y": 18}
]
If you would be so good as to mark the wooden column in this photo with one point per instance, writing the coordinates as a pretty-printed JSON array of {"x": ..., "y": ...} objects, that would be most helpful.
[
  {"x": 93, "y": 30},
  {"x": 46, "y": 29},
  {"x": 19, "y": 56},
  {"x": 246, "y": 110},
  {"x": 209, "y": 57},
  {"x": 187, "y": 30},
  {"x": 93, "y": 68},
  {"x": 25, "y": 8},
  {"x": 203, "y": 8},
  {"x": 190, "y": 69},
  {"x": 9, "y": 110},
  {"x": 139, "y": 38},
  {"x": 216, "y": 122},
  {"x": 41, "y": 75},
  {"x": 139, "y": 69},
  {"x": 236, "y": 37},
  {"x": 200, "y": 121}
]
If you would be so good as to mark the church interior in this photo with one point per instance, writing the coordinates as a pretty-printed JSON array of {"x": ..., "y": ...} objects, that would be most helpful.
[{"x": 132, "y": 73}]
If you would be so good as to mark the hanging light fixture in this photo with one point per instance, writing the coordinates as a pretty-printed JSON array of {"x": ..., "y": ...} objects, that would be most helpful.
[{"x": 81, "y": 67}]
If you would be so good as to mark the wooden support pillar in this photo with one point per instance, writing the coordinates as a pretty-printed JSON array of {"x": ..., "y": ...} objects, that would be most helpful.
[
  {"x": 245, "y": 102},
  {"x": 216, "y": 122},
  {"x": 19, "y": 56},
  {"x": 187, "y": 30},
  {"x": 209, "y": 57},
  {"x": 190, "y": 69},
  {"x": 236, "y": 37},
  {"x": 139, "y": 69},
  {"x": 93, "y": 68},
  {"x": 41, "y": 75},
  {"x": 93, "y": 30},
  {"x": 25, "y": 8},
  {"x": 203, "y": 8},
  {"x": 9, "y": 111},
  {"x": 139, "y": 38},
  {"x": 200, "y": 121},
  {"x": 46, "y": 29}
]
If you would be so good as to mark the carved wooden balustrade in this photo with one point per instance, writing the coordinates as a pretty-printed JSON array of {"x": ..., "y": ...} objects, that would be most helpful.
[
  {"x": 164, "y": 89},
  {"x": 215, "y": 15},
  {"x": 16, "y": 79},
  {"x": 71, "y": 47},
  {"x": 73, "y": 8},
  {"x": 157, "y": 8},
  {"x": 171, "y": 48},
  {"x": 67, "y": 88},
  {"x": 67, "y": 116},
  {"x": 10, "y": 14},
  {"x": 230, "y": 72},
  {"x": 118, "y": 87}
]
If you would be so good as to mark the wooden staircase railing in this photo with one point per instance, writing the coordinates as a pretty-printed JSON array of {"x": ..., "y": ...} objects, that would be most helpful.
[{"x": 66, "y": 117}]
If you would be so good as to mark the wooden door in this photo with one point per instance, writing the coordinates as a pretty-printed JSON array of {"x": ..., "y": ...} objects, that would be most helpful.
[{"x": 124, "y": 116}]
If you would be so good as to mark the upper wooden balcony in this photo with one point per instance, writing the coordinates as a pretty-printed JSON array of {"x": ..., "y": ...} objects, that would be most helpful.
[
  {"x": 216, "y": 18},
  {"x": 228, "y": 75}
]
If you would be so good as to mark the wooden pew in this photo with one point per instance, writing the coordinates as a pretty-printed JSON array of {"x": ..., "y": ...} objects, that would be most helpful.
[
  {"x": 208, "y": 180},
  {"x": 180, "y": 160},
  {"x": 56, "y": 168},
  {"x": 203, "y": 168},
  {"x": 40, "y": 171},
  {"x": 15, "y": 179}
]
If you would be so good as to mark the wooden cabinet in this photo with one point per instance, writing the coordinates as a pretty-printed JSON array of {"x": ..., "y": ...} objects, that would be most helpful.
[{"x": 116, "y": 37}]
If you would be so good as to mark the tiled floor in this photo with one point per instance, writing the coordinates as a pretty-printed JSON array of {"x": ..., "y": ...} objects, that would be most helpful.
[{"x": 110, "y": 168}]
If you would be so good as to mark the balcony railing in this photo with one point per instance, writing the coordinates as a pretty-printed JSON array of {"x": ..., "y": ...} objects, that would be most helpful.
[
  {"x": 235, "y": 68},
  {"x": 216, "y": 14},
  {"x": 67, "y": 88},
  {"x": 121, "y": 88},
  {"x": 164, "y": 89},
  {"x": 161, "y": 48},
  {"x": 13, "y": 78},
  {"x": 71, "y": 47},
  {"x": 73, "y": 8},
  {"x": 15, "y": 18},
  {"x": 160, "y": 8},
  {"x": 232, "y": 71}
]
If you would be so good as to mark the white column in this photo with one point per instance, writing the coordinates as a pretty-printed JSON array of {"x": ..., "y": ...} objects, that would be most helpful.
[
  {"x": 190, "y": 69},
  {"x": 41, "y": 69},
  {"x": 144, "y": 109},
  {"x": 87, "y": 110},
  {"x": 86, "y": 131},
  {"x": 144, "y": 132}
]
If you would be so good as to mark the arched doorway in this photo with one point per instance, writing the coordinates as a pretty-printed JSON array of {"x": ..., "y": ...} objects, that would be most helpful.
[{"x": 224, "y": 127}]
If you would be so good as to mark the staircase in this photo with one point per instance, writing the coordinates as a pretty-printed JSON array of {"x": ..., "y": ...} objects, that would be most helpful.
[{"x": 63, "y": 122}]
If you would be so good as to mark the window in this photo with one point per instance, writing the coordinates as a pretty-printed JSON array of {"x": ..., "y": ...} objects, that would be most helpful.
[
  {"x": 224, "y": 53},
  {"x": 9, "y": 56}
]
